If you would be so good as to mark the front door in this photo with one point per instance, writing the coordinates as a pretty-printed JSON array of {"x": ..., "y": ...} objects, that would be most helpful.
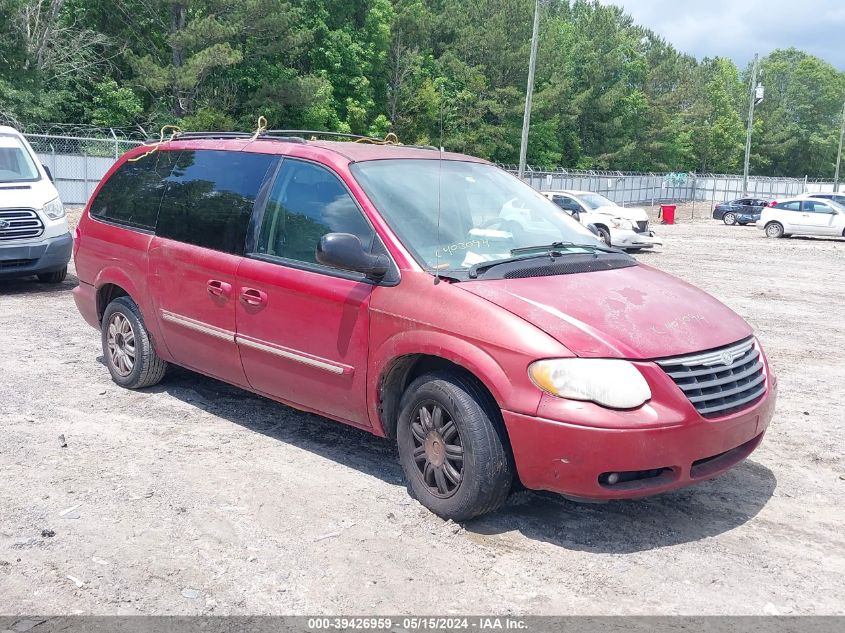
[
  {"x": 194, "y": 258},
  {"x": 303, "y": 327},
  {"x": 819, "y": 218}
]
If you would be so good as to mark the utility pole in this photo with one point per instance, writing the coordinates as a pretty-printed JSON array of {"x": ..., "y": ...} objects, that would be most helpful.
[
  {"x": 752, "y": 97},
  {"x": 529, "y": 92},
  {"x": 839, "y": 153}
]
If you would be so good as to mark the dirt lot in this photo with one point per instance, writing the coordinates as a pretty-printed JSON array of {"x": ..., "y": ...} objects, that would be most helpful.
[{"x": 196, "y": 497}]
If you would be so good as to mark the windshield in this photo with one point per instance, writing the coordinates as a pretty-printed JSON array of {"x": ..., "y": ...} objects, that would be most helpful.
[
  {"x": 595, "y": 200},
  {"x": 16, "y": 164},
  {"x": 485, "y": 213}
]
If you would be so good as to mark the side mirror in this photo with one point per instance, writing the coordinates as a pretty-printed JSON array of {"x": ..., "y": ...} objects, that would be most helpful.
[
  {"x": 48, "y": 172},
  {"x": 344, "y": 251},
  {"x": 593, "y": 229}
]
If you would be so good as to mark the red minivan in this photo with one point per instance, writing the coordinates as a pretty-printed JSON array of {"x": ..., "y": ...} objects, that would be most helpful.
[{"x": 423, "y": 296}]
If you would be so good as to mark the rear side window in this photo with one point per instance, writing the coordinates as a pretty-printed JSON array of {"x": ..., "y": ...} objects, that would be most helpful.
[
  {"x": 209, "y": 198},
  {"x": 789, "y": 206},
  {"x": 132, "y": 195}
]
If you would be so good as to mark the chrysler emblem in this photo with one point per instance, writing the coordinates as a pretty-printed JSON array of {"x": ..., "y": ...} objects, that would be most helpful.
[
  {"x": 5, "y": 224},
  {"x": 727, "y": 357}
]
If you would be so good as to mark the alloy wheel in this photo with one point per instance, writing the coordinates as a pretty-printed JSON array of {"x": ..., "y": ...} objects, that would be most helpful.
[
  {"x": 730, "y": 219},
  {"x": 121, "y": 344},
  {"x": 438, "y": 450}
]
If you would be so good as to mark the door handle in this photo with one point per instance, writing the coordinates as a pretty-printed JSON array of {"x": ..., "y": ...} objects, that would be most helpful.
[
  {"x": 253, "y": 297},
  {"x": 218, "y": 288}
]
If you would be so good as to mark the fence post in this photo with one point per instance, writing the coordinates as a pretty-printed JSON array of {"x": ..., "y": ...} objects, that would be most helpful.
[
  {"x": 694, "y": 187},
  {"x": 713, "y": 197}
]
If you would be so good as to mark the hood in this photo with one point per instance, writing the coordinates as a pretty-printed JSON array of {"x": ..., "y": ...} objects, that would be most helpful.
[
  {"x": 30, "y": 195},
  {"x": 637, "y": 312},
  {"x": 637, "y": 214}
]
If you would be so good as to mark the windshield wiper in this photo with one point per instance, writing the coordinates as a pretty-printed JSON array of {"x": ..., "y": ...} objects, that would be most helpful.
[
  {"x": 556, "y": 245},
  {"x": 473, "y": 271},
  {"x": 532, "y": 252}
]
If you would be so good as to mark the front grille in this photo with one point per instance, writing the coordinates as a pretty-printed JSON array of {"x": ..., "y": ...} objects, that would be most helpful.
[
  {"x": 641, "y": 226},
  {"x": 720, "y": 381},
  {"x": 18, "y": 224},
  {"x": 7, "y": 264}
]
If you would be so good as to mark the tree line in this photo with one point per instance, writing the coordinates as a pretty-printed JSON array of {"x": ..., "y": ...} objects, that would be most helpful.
[{"x": 609, "y": 94}]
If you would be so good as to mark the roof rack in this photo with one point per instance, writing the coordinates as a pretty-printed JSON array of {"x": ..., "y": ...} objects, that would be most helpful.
[
  {"x": 304, "y": 133},
  {"x": 289, "y": 136},
  {"x": 181, "y": 136}
]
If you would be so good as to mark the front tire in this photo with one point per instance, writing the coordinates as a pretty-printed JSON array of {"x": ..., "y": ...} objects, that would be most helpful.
[
  {"x": 729, "y": 218},
  {"x": 55, "y": 277},
  {"x": 453, "y": 447},
  {"x": 604, "y": 235},
  {"x": 774, "y": 230},
  {"x": 127, "y": 348}
]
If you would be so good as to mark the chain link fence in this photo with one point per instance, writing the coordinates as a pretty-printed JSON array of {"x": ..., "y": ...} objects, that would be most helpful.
[
  {"x": 77, "y": 163},
  {"x": 628, "y": 188}
]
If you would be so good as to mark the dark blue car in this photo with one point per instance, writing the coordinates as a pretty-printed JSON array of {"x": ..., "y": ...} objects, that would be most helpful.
[{"x": 742, "y": 211}]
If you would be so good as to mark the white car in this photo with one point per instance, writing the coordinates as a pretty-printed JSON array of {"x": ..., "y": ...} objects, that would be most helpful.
[
  {"x": 836, "y": 197},
  {"x": 34, "y": 236},
  {"x": 624, "y": 227},
  {"x": 803, "y": 216}
]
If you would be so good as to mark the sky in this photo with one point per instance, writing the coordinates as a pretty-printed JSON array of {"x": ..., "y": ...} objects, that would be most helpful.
[{"x": 737, "y": 29}]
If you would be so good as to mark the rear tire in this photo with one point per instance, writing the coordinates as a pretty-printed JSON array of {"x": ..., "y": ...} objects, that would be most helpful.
[
  {"x": 56, "y": 277},
  {"x": 127, "y": 348},
  {"x": 729, "y": 218},
  {"x": 453, "y": 446},
  {"x": 774, "y": 230}
]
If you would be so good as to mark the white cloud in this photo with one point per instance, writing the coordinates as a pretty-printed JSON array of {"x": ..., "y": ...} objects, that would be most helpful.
[{"x": 737, "y": 29}]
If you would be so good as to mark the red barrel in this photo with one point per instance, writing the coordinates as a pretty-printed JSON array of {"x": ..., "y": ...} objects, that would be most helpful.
[{"x": 668, "y": 213}]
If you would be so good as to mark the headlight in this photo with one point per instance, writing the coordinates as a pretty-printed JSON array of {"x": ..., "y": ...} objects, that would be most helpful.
[
  {"x": 621, "y": 223},
  {"x": 612, "y": 383},
  {"x": 54, "y": 209}
]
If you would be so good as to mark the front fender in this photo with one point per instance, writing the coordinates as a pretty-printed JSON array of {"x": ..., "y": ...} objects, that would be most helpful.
[{"x": 513, "y": 391}]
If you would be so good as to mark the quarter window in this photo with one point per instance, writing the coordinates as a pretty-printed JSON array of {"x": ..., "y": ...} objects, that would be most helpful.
[
  {"x": 306, "y": 202},
  {"x": 132, "y": 195},
  {"x": 209, "y": 198}
]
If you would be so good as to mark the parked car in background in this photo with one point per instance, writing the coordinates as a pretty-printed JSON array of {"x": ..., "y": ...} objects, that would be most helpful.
[
  {"x": 624, "y": 227},
  {"x": 803, "y": 216},
  {"x": 430, "y": 298},
  {"x": 34, "y": 235},
  {"x": 838, "y": 198},
  {"x": 741, "y": 211}
]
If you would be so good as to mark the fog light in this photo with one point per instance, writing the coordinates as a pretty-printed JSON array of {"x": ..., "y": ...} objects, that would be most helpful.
[{"x": 613, "y": 478}]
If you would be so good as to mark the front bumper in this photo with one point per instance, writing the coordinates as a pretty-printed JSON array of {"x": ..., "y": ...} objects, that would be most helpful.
[
  {"x": 569, "y": 458},
  {"x": 47, "y": 256},
  {"x": 622, "y": 238}
]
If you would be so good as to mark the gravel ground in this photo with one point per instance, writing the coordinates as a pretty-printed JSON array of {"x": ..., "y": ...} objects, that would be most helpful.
[{"x": 196, "y": 497}]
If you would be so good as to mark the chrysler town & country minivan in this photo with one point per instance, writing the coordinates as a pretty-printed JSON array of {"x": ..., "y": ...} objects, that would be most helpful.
[{"x": 424, "y": 296}]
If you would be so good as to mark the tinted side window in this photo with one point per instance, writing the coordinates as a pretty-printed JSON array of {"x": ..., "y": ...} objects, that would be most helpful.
[
  {"x": 132, "y": 195},
  {"x": 789, "y": 206},
  {"x": 306, "y": 202},
  {"x": 209, "y": 198}
]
